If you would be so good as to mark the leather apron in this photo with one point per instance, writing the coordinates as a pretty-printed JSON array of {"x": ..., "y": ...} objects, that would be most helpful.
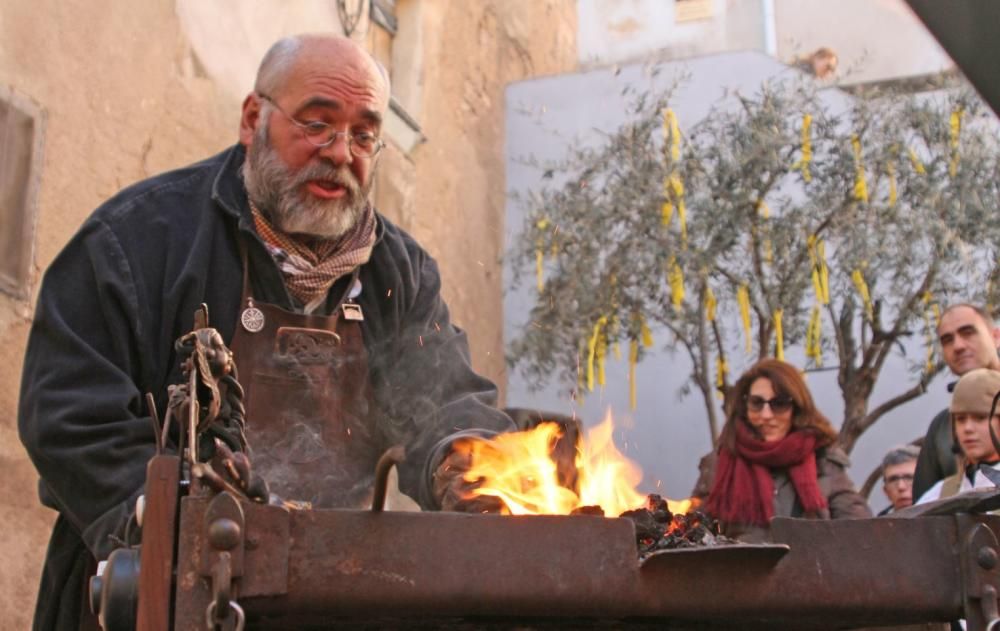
[{"x": 310, "y": 420}]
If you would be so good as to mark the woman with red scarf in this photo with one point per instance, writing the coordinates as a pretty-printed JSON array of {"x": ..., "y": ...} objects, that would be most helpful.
[{"x": 776, "y": 458}]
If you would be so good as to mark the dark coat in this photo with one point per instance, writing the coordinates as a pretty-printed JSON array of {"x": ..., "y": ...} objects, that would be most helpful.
[
  {"x": 843, "y": 502},
  {"x": 938, "y": 457},
  {"x": 127, "y": 285}
]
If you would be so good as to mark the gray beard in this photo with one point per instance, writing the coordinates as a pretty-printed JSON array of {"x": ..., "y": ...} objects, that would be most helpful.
[{"x": 278, "y": 192}]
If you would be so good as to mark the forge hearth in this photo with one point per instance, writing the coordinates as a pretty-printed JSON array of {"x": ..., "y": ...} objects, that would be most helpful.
[{"x": 318, "y": 568}]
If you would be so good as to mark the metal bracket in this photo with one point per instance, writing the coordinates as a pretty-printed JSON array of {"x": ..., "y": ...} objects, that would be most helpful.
[
  {"x": 980, "y": 574},
  {"x": 222, "y": 558}
]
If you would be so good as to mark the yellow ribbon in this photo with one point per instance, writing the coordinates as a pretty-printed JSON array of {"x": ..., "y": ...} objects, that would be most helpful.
[
  {"x": 540, "y": 269},
  {"x": 824, "y": 271},
  {"x": 814, "y": 332},
  {"x": 954, "y": 130},
  {"x": 803, "y": 163},
  {"x": 666, "y": 212},
  {"x": 918, "y": 166},
  {"x": 592, "y": 351},
  {"x": 602, "y": 352},
  {"x": 710, "y": 304},
  {"x": 862, "y": 287},
  {"x": 673, "y": 189},
  {"x": 820, "y": 271},
  {"x": 743, "y": 298},
  {"x": 675, "y": 276},
  {"x": 860, "y": 182},
  {"x": 676, "y": 195},
  {"x": 721, "y": 370},
  {"x": 779, "y": 337},
  {"x": 672, "y": 133}
]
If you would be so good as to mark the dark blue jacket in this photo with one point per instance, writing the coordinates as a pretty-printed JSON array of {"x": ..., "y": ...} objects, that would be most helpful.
[{"x": 127, "y": 285}]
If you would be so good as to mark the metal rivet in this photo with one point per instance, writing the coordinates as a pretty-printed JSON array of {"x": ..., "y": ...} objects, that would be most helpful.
[
  {"x": 986, "y": 557},
  {"x": 224, "y": 534}
]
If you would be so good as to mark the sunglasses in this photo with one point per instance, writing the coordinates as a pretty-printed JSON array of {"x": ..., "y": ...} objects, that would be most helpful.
[{"x": 778, "y": 405}]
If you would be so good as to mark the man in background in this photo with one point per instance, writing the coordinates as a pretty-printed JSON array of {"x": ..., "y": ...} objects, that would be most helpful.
[
  {"x": 969, "y": 340},
  {"x": 897, "y": 477}
]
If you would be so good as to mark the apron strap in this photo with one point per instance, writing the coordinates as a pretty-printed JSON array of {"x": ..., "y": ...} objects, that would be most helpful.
[{"x": 244, "y": 260}]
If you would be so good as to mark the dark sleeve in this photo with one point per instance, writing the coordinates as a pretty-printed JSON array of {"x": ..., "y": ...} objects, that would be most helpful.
[
  {"x": 80, "y": 413},
  {"x": 430, "y": 393},
  {"x": 930, "y": 469},
  {"x": 706, "y": 476},
  {"x": 842, "y": 499}
]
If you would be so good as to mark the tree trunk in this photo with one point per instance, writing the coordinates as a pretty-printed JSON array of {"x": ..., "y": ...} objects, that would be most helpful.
[{"x": 855, "y": 410}]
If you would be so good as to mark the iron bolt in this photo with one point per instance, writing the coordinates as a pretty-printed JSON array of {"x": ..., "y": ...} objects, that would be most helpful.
[
  {"x": 986, "y": 557},
  {"x": 224, "y": 534}
]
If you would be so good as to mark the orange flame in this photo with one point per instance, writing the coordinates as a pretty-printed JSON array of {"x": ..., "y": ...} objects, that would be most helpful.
[{"x": 519, "y": 469}]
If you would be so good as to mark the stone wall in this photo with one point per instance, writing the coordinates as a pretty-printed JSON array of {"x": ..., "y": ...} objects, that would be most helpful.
[{"x": 132, "y": 89}]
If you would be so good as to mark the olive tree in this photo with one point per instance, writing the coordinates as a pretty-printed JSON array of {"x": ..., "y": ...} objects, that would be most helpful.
[{"x": 781, "y": 219}]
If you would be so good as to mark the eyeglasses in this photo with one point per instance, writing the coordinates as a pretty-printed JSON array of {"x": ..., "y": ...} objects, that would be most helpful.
[
  {"x": 362, "y": 144},
  {"x": 901, "y": 477},
  {"x": 778, "y": 405}
]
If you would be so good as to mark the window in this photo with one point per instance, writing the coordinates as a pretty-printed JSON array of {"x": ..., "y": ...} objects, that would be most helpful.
[{"x": 20, "y": 167}]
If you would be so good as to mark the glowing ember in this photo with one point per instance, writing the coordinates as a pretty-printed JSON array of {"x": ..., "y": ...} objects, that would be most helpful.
[{"x": 520, "y": 470}]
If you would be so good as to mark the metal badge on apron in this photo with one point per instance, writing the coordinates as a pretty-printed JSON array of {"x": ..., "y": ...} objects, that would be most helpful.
[
  {"x": 352, "y": 310},
  {"x": 252, "y": 318}
]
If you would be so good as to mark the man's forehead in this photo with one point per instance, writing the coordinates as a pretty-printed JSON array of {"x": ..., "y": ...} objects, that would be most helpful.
[
  {"x": 340, "y": 66},
  {"x": 959, "y": 317}
]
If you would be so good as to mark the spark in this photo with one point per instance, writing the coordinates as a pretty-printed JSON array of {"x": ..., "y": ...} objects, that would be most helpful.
[
  {"x": 437, "y": 326},
  {"x": 658, "y": 482},
  {"x": 388, "y": 294},
  {"x": 421, "y": 340}
]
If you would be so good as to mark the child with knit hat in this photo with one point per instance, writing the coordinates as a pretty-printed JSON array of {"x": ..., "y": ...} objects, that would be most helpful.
[{"x": 971, "y": 423}]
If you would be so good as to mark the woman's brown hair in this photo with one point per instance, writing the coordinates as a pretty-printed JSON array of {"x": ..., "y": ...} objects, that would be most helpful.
[{"x": 786, "y": 381}]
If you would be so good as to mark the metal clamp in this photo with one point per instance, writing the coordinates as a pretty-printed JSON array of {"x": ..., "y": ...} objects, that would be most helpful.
[
  {"x": 211, "y": 621},
  {"x": 222, "y": 559}
]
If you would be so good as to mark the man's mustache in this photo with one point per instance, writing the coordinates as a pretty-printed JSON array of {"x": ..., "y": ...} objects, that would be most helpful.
[{"x": 341, "y": 176}]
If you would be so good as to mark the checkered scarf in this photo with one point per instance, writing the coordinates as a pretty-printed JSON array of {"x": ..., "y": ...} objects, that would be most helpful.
[{"x": 310, "y": 270}]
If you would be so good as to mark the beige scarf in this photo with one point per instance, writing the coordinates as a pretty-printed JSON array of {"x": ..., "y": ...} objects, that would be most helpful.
[{"x": 311, "y": 270}]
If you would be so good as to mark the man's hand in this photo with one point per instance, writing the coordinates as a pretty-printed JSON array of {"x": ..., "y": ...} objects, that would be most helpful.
[{"x": 455, "y": 493}]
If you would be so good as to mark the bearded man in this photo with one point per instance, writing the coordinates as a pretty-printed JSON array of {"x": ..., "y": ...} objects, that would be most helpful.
[{"x": 334, "y": 315}]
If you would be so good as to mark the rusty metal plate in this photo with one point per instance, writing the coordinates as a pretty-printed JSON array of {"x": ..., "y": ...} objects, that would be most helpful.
[{"x": 344, "y": 565}]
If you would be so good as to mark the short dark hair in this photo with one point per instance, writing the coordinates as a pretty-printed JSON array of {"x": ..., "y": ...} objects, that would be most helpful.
[
  {"x": 899, "y": 455},
  {"x": 980, "y": 311}
]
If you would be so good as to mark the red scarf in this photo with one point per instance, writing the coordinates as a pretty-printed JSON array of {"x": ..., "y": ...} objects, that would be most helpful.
[{"x": 743, "y": 491}]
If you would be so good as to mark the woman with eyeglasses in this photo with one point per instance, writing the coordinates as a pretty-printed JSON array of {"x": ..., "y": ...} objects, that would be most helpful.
[{"x": 775, "y": 458}]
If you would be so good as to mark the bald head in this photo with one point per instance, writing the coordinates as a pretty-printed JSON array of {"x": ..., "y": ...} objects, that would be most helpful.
[{"x": 287, "y": 55}]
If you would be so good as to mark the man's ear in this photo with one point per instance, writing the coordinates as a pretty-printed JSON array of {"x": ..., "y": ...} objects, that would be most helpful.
[
  {"x": 250, "y": 118},
  {"x": 996, "y": 336}
]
